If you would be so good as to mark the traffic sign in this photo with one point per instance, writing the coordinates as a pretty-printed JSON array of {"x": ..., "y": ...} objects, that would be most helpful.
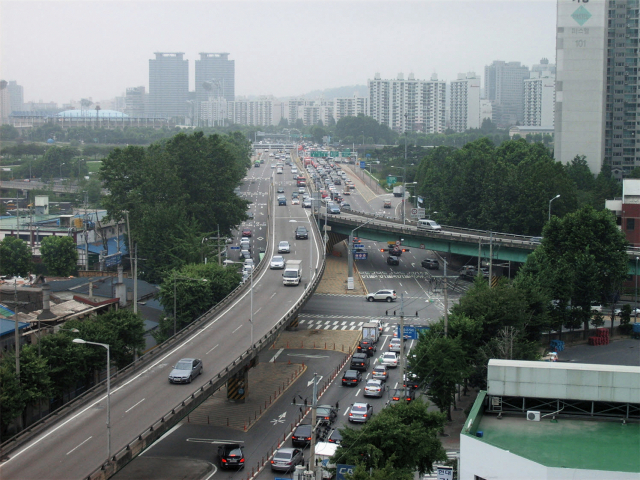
[
  {"x": 358, "y": 245},
  {"x": 417, "y": 212},
  {"x": 391, "y": 180},
  {"x": 411, "y": 331},
  {"x": 360, "y": 255},
  {"x": 363, "y": 164},
  {"x": 234, "y": 248}
]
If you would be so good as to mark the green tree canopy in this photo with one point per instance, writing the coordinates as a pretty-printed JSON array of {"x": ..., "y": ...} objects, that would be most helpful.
[
  {"x": 15, "y": 255},
  {"x": 60, "y": 255},
  {"x": 356, "y": 127}
]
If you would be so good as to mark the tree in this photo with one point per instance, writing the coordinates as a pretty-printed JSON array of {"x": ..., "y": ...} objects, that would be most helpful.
[
  {"x": 8, "y": 132},
  {"x": 441, "y": 364},
  {"x": 12, "y": 402},
  {"x": 67, "y": 363},
  {"x": 383, "y": 442},
  {"x": 60, "y": 255},
  {"x": 15, "y": 255}
]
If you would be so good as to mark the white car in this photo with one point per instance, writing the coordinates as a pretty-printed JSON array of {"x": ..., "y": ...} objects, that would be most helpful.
[
  {"x": 283, "y": 247},
  {"x": 374, "y": 388},
  {"x": 395, "y": 345},
  {"x": 387, "y": 295},
  {"x": 389, "y": 359},
  {"x": 295, "y": 201},
  {"x": 277, "y": 263}
]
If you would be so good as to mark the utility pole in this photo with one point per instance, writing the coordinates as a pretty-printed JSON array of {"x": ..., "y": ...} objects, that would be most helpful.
[
  {"x": 135, "y": 281},
  {"x": 314, "y": 405},
  {"x": 17, "y": 333},
  {"x": 402, "y": 373}
]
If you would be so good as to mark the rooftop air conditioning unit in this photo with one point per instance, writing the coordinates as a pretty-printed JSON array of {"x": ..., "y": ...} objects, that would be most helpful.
[{"x": 533, "y": 416}]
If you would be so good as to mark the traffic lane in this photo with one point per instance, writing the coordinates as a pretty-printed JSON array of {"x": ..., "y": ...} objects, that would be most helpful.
[
  {"x": 197, "y": 346},
  {"x": 200, "y": 442}
]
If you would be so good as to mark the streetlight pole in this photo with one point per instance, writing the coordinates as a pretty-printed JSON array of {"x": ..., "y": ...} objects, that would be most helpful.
[
  {"x": 251, "y": 309},
  {"x": 404, "y": 173},
  {"x": 635, "y": 313},
  {"x": 61, "y": 169},
  {"x": 557, "y": 196},
  {"x": 79, "y": 340}
]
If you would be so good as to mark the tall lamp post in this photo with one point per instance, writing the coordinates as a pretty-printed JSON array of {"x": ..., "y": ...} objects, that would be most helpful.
[
  {"x": 350, "y": 254},
  {"x": 635, "y": 312},
  {"x": 175, "y": 283},
  {"x": 554, "y": 198},
  {"x": 61, "y": 169},
  {"x": 79, "y": 340}
]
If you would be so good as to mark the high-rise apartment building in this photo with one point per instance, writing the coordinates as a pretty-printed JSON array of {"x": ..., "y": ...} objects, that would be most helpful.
[
  {"x": 621, "y": 147},
  {"x": 135, "y": 102},
  {"x": 168, "y": 85},
  {"x": 408, "y": 105},
  {"x": 539, "y": 99},
  {"x": 504, "y": 87},
  {"x": 464, "y": 104},
  {"x": 351, "y": 107},
  {"x": 215, "y": 77},
  {"x": 16, "y": 96},
  {"x": 581, "y": 89},
  {"x": 257, "y": 113}
]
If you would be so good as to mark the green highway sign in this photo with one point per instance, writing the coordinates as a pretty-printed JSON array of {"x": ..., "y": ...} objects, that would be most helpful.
[{"x": 391, "y": 180}]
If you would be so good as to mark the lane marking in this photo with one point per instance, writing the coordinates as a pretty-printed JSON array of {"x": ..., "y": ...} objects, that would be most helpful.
[
  {"x": 239, "y": 327},
  {"x": 273, "y": 359},
  {"x": 358, "y": 392},
  {"x": 127, "y": 411},
  {"x": 212, "y": 349},
  {"x": 73, "y": 449}
]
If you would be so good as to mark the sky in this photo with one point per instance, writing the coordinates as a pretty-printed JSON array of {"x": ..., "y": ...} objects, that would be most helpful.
[{"x": 67, "y": 50}]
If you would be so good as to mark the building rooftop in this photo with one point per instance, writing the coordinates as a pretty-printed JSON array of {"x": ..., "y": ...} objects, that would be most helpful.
[{"x": 567, "y": 443}]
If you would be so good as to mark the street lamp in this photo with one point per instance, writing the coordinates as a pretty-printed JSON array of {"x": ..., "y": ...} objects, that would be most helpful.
[
  {"x": 557, "y": 196},
  {"x": 175, "y": 283},
  {"x": 350, "y": 253},
  {"x": 79, "y": 340},
  {"x": 61, "y": 169}
]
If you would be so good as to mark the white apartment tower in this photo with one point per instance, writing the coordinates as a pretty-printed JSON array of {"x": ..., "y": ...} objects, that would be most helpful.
[
  {"x": 351, "y": 107},
  {"x": 251, "y": 112},
  {"x": 408, "y": 105},
  {"x": 539, "y": 99},
  {"x": 465, "y": 102}
]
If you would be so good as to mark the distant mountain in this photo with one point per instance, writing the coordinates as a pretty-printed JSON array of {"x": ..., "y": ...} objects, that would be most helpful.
[{"x": 338, "y": 92}]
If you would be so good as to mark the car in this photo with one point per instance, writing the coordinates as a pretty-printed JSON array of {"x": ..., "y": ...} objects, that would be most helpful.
[
  {"x": 386, "y": 204},
  {"x": 334, "y": 437},
  {"x": 283, "y": 247},
  {"x": 395, "y": 345},
  {"x": 367, "y": 346},
  {"x": 246, "y": 232},
  {"x": 360, "y": 361},
  {"x": 306, "y": 203},
  {"x": 334, "y": 209},
  {"x": 186, "y": 370},
  {"x": 351, "y": 378},
  {"x": 280, "y": 190},
  {"x": 360, "y": 412},
  {"x": 294, "y": 195},
  {"x": 295, "y": 201},
  {"x": 286, "y": 459},
  {"x": 373, "y": 388},
  {"x": 379, "y": 323},
  {"x": 345, "y": 206},
  {"x": 402, "y": 394},
  {"x": 393, "y": 260},
  {"x": 411, "y": 381},
  {"x": 245, "y": 254},
  {"x": 279, "y": 170},
  {"x": 389, "y": 359},
  {"x": 273, "y": 165},
  {"x": 301, "y": 232},
  {"x": 301, "y": 436},
  {"x": 380, "y": 373},
  {"x": 430, "y": 264},
  {"x": 326, "y": 414},
  {"x": 282, "y": 200},
  {"x": 231, "y": 456},
  {"x": 250, "y": 215},
  {"x": 302, "y": 190},
  {"x": 385, "y": 295},
  {"x": 277, "y": 263}
]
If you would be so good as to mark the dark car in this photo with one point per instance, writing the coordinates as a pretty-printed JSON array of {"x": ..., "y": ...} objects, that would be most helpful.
[
  {"x": 301, "y": 232},
  {"x": 246, "y": 232},
  {"x": 231, "y": 456},
  {"x": 334, "y": 436},
  {"x": 351, "y": 378},
  {"x": 397, "y": 395},
  {"x": 280, "y": 190},
  {"x": 326, "y": 414},
  {"x": 360, "y": 361},
  {"x": 393, "y": 260},
  {"x": 411, "y": 381},
  {"x": 282, "y": 200},
  {"x": 367, "y": 346},
  {"x": 431, "y": 263},
  {"x": 286, "y": 459},
  {"x": 301, "y": 435}
]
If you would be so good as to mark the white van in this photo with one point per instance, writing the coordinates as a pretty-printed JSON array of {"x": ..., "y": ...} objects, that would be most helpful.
[{"x": 426, "y": 224}]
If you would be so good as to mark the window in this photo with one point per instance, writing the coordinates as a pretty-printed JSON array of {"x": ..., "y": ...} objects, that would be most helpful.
[{"x": 631, "y": 223}]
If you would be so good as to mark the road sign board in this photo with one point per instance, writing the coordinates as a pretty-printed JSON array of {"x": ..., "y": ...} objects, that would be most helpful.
[
  {"x": 234, "y": 248},
  {"x": 360, "y": 255},
  {"x": 417, "y": 212},
  {"x": 391, "y": 180},
  {"x": 411, "y": 331},
  {"x": 342, "y": 470},
  {"x": 358, "y": 245},
  {"x": 363, "y": 164}
]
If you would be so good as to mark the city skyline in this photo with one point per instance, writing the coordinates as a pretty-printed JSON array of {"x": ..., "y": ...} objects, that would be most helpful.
[{"x": 280, "y": 48}]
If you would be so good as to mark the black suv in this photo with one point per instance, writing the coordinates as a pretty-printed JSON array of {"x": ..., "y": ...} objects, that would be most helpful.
[
  {"x": 360, "y": 361},
  {"x": 301, "y": 232},
  {"x": 231, "y": 455},
  {"x": 431, "y": 263},
  {"x": 393, "y": 260},
  {"x": 367, "y": 346},
  {"x": 351, "y": 378},
  {"x": 301, "y": 435}
]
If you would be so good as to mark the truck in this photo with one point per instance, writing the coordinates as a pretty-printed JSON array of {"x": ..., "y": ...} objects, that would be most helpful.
[
  {"x": 371, "y": 330},
  {"x": 397, "y": 191},
  {"x": 256, "y": 164},
  {"x": 324, "y": 451},
  {"x": 292, "y": 273}
]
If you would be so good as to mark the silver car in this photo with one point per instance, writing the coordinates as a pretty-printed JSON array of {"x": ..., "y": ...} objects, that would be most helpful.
[
  {"x": 286, "y": 459},
  {"x": 380, "y": 373},
  {"x": 277, "y": 263},
  {"x": 360, "y": 412},
  {"x": 283, "y": 247},
  {"x": 374, "y": 388},
  {"x": 395, "y": 345},
  {"x": 186, "y": 370}
]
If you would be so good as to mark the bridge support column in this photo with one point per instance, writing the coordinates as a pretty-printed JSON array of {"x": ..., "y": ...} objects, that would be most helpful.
[{"x": 238, "y": 386}]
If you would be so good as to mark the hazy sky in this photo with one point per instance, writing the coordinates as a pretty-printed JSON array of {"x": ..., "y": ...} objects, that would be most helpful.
[{"x": 61, "y": 50}]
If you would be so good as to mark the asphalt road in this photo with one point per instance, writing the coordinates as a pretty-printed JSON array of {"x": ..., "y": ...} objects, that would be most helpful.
[{"x": 77, "y": 443}]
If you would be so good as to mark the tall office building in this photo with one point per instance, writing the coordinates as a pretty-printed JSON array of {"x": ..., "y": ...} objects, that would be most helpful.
[
  {"x": 504, "y": 87},
  {"x": 539, "y": 99},
  {"x": 215, "y": 77},
  {"x": 168, "y": 85},
  {"x": 581, "y": 81},
  {"x": 408, "y": 105},
  {"x": 135, "y": 102},
  {"x": 464, "y": 104}
]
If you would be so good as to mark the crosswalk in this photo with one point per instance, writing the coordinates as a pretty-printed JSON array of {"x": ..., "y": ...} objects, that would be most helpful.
[{"x": 335, "y": 322}]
